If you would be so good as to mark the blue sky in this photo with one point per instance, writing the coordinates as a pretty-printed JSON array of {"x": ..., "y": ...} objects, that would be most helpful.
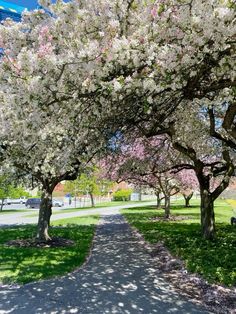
[{"x": 30, "y": 4}]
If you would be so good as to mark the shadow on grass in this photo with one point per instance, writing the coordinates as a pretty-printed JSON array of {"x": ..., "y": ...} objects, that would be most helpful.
[
  {"x": 22, "y": 265},
  {"x": 119, "y": 278},
  {"x": 215, "y": 260},
  {"x": 152, "y": 211},
  {"x": 173, "y": 207}
]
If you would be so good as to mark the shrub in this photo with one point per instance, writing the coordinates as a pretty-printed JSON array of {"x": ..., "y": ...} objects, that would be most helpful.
[{"x": 122, "y": 195}]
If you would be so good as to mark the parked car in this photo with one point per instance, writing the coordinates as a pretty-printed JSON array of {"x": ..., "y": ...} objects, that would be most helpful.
[
  {"x": 57, "y": 203},
  {"x": 33, "y": 203},
  {"x": 20, "y": 200}
]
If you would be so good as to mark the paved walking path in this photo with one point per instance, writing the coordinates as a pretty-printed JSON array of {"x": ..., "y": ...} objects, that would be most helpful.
[{"x": 120, "y": 277}]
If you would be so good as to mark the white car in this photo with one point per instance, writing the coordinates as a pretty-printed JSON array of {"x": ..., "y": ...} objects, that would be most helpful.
[
  {"x": 57, "y": 203},
  {"x": 21, "y": 200}
]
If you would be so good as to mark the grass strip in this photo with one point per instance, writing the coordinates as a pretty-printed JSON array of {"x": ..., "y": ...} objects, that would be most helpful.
[
  {"x": 215, "y": 261},
  {"x": 23, "y": 265}
]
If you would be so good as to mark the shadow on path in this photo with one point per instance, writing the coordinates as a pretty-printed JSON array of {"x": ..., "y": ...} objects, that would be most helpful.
[{"x": 120, "y": 277}]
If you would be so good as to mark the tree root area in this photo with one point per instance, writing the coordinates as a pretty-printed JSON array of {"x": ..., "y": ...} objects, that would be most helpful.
[
  {"x": 33, "y": 243},
  {"x": 171, "y": 218}
]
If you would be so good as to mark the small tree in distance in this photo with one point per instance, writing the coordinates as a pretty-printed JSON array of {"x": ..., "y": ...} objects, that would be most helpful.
[
  {"x": 5, "y": 188},
  {"x": 90, "y": 182},
  {"x": 122, "y": 195},
  {"x": 188, "y": 184}
]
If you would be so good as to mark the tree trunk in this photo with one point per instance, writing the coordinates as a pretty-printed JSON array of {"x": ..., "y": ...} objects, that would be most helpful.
[
  {"x": 45, "y": 213},
  {"x": 140, "y": 195},
  {"x": 167, "y": 207},
  {"x": 187, "y": 199},
  {"x": 158, "y": 200},
  {"x": 92, "y": 199},
  {"x": 207, "y": 215},
  {"x": 2, "y": 204}
]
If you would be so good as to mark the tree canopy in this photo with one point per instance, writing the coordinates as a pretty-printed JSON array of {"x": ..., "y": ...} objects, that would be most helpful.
[{"x": 74, "y": 74}]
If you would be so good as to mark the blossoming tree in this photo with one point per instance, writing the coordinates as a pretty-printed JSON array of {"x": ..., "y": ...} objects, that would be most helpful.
[
  {"x": 146, "y": 162},
  {"x": 209, "y": 158},
  {"x": 47, "y": 121},
  {"x": 188, "y": 184},
  {"x": 64, "y": 68},
  {"x": 185, "y": 55}
]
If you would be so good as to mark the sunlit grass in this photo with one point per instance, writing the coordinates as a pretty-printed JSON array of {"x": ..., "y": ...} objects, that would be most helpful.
[
  {"x": 85, "y": 220},
  {"x": 215, "y": 261},
  {"x": 22, "y": 265}
]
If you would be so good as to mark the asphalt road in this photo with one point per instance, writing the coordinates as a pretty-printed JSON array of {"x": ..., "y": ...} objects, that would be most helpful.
[{"x": 20, "y": 217}]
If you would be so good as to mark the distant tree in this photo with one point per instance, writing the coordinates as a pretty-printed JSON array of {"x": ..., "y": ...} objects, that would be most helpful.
[
  {"x": 188, "y": 184},
  {"x": 5, "y": 188},
  {"x": 91, "y": 182},
  {"x": 88, "y": 184},
  {"x": 122, "y": 195},
  {"x": 17, "y": 192},
  {"x": 146, "y": 162}
]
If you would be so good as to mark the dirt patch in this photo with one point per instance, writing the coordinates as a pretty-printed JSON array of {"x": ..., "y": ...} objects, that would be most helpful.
[
  {"x": 171, "y": 218},
  {"x": 53, "y": 243}
]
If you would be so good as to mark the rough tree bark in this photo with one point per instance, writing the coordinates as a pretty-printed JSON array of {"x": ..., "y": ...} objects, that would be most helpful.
[
  {"x": 167, "y": 207},
  {"x": 45, "y": 213},
  {"x": 158, "y": 200},
  {"x": 207, "y": 214},
  {"x": 208, "y": 197},
  {"x": 224, "y": 168}
]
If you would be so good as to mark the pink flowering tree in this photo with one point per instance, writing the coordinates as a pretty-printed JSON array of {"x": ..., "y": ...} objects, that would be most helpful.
[
  {"x": 188, "y": 184},
  {"x": 145, "y": 162}
]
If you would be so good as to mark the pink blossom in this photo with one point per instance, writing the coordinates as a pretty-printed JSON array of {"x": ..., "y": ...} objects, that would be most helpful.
[
  {"x": 45, "y": 49},
  {"x": 44, "y": 34},
  {"x": 154, "y": 12}
]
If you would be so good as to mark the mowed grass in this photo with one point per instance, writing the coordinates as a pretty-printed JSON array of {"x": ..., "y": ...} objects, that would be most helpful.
[
  {"x": 215, "y": 261},
  {"x": 23, "y": 265}
]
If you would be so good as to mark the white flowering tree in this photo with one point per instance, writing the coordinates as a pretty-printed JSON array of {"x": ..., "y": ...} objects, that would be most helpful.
[
  {"x": 170, "y": 51},
  {"x": 181, "y": 52},
  {"x": 47, "y": 117},
  {"x": 126, "y": 61}
]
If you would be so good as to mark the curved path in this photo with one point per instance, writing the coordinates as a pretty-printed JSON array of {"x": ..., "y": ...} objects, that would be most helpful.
[{"x": 120, "y": 277}]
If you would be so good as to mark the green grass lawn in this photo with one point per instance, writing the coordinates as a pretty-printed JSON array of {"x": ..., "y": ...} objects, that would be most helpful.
[
  {"x": 101, "y": 205},
  {"x": 84, "y": 220},
  {"x": 22, "y": 265},
  {"x": 215, "y": 261}
]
